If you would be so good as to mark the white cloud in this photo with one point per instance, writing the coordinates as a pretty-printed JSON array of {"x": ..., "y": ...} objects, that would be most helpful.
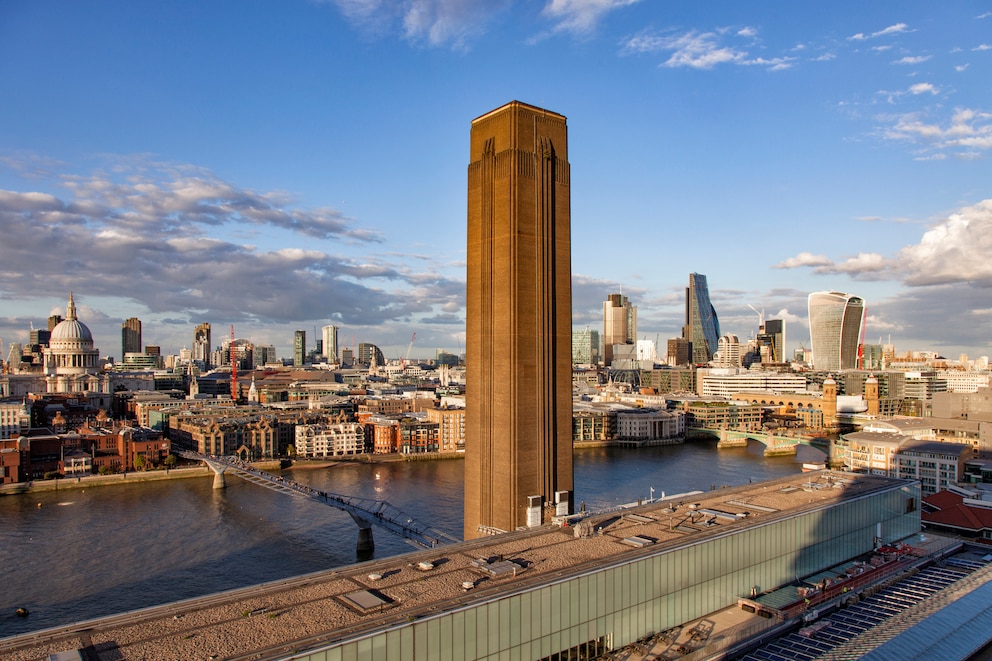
[
  {"x": 892, "y": 29},
  {"x": 982, "y": 47},
  {"x": 954, "y": 250},
  {"x": 922, "y": 88},
  {"x": 581, "y": 16},
  {"x": 804, "y": 259},
  {"x": 917, "y": 59},
  {"x": 434, "y": 22},
  {"x": 961, "y": 67},
  {"x": 703, "y": 50},
  {"x": 967, "y": 128}
]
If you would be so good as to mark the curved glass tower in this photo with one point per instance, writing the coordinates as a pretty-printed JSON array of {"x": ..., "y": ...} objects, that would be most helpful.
[
  {"x": 702, "y": 327},
  {"x": 836, "y": 322}
]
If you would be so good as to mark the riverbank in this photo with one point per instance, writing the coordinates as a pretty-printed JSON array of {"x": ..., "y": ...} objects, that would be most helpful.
[{"x": 67, "y": 483}]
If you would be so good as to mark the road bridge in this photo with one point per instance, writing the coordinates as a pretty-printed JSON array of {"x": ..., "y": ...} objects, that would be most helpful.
[
  {"x": 775, "y": 444},
  {"x": 365, "y": 512}
]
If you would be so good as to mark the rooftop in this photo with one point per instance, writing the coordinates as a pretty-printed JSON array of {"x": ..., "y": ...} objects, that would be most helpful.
[{"x": 314, "y": 609}]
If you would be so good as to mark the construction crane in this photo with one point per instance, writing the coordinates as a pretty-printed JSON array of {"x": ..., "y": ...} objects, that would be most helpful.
[
  {"x": 3, "y": 361},
  {"x": 234, "y": 368},
  {"x": 409, "y": 348}
]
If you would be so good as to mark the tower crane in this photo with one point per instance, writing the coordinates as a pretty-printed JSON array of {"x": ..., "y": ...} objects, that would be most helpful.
[{"x": 409, "y": 348}]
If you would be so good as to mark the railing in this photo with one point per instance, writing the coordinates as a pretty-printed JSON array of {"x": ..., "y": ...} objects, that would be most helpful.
[{"x": 365, "y": 511}]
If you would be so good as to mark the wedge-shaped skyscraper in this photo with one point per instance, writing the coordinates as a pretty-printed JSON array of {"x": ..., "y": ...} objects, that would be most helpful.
[{"x": 836, "y": 324}]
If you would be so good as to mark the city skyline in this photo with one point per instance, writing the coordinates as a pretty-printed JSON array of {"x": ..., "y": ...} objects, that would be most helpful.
[{"x": 224, "y": 164}]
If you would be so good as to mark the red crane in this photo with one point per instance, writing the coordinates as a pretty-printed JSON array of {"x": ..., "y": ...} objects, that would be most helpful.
[{"x": 234, "y": 367}]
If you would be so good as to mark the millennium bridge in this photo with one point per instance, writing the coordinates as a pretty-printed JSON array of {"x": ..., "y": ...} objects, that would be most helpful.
[{"x": 365, "y": 512}]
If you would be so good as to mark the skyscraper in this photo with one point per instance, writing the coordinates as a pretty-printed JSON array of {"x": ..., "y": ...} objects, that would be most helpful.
[
  {"x": 518, "y": 445},
  {"x": 330, "y": 344},
  {"x": 585, "y": 347},
  {"x": 201, "y": 344},
  {"x": 702, "y": 327},
  {"x": 299, "y": 348},
  {"x": 619, "y": 324},
  {"x": 130, "y": 337},
  {"x": 836, "y": 323}
]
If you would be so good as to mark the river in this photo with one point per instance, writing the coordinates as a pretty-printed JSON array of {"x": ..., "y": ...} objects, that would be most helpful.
[{"x": 87, "y": 553}]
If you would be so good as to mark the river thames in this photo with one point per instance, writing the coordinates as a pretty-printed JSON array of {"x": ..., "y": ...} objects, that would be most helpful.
[{"x": 88, "y": 553}]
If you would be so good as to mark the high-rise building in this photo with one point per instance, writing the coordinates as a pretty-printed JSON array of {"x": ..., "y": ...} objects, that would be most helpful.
[
  {"x": 130, "y": 337},
  {"x": 679, "y": 352},
  {"x": 367, "y": 352},
  {"x": 771, "y": 339},
  {"x": 585, "y": 347},
  {"x": 299, "y": 348},
  {"x": 54, "y": 321},
  {"x": 836, "y": 324},
  {"x": 330, "y": 343},
  {"x": 702, "y": 327},
  {"x": 201, "y": 344},
  {"x": 729, "y": 351},
  {"x": 619, "y": 324},
  {"x": 518, "y": 416}
]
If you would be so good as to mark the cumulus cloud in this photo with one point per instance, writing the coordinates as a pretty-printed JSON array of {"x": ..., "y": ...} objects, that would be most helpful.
[
  {"x": 967, "y": 129},
  {"x": 954, "y": 250},
  {"x": 804, "y": 259},
  {"x": 922, "y": 88},
  {"x": 163, "y": 242}
]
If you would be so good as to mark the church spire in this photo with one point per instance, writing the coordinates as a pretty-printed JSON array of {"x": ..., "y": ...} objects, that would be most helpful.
[{"x": 70, "y": 311}]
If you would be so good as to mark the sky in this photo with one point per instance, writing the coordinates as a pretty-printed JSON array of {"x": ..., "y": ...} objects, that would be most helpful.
[{"x": 287, "y": 165}]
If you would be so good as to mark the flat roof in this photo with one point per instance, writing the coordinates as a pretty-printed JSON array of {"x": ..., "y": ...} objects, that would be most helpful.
[{"x": 317, "y": 609}]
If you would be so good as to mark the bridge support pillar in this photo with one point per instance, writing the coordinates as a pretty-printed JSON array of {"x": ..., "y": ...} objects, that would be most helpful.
[
  {"x": 365, "y": 542},
  {"x": 219, "y": 481}
]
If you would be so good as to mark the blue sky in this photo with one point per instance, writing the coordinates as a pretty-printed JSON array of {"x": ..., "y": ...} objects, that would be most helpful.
[{"x": 284, "y": 165}]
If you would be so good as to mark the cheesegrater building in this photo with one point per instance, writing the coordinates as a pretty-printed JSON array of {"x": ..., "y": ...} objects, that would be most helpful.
[{"x": 518, "y": 418}]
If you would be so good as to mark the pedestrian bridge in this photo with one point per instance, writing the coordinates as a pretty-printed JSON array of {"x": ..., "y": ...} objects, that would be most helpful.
[{"x": 365, "y": 512}]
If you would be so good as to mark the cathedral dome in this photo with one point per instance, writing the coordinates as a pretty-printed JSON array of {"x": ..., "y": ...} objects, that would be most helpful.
[{"x": 71, "y": 330}]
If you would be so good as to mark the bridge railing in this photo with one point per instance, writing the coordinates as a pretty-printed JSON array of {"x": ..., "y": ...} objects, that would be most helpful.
[{"x": 365, "y": 511}]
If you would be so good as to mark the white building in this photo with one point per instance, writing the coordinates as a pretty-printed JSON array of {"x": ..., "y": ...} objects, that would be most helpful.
[
  {"x": 724, "y": 382},
  {"x": 332, "y": 440},
  {"x": 650, "y": 424}
]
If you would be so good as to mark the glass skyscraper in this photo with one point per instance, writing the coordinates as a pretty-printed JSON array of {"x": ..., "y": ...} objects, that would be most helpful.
[
  {"x": 836, "y": 322},
  {"x": 702, "y": 327}
]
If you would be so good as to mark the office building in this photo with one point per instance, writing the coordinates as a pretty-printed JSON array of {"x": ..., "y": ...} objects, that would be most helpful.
[
  {"x": 619, "y": 324},
  {"x": 679, "y": 352},
  {"x": 330, "y": 343},
  {"x": 836, "y": 325},
  {"x": 729, "y": 351},
  {"x": 130, "y": 336},
  {"x": 585, "y": 347},
  {"x": 299, "y": 348},
  {"x": 518, "y": 442},
  {"x": 771, "y": 341},
  {"x": 702, "y": 327},
  {"x": 369, "y": 353},
  {"x": 201, "y": 344}
]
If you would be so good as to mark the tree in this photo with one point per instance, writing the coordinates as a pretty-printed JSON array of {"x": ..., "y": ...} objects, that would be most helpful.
[
  {"x": 139, "y": 462},
  {"x": 291, "y": 450},
  {"x": 104, "y": 470},
  {"x": 170, "y": 462}
]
